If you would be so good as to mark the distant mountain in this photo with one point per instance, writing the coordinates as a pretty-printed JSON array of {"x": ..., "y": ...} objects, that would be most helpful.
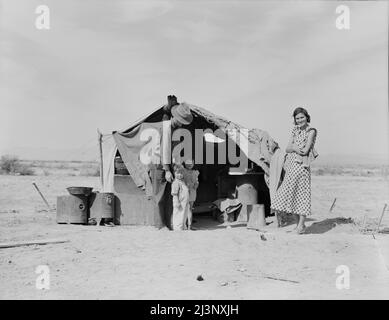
[
  {"x": 91, "y": 153},
  {"x": 352, "y": 159}
]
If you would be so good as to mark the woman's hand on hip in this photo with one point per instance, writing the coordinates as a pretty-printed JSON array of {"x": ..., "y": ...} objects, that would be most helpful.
[{"x": 296, "y": 149}]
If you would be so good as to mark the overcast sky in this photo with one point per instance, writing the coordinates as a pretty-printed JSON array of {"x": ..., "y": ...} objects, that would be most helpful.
[{"x": 104, "y": 64}]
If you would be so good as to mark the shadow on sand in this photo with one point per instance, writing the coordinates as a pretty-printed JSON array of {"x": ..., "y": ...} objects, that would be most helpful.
[
  {"x": 207, "y": 223},
  {"x": 326, "y": 225}
]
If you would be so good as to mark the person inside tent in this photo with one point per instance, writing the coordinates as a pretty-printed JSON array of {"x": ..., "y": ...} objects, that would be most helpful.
[{"x": 175, "y": 116}]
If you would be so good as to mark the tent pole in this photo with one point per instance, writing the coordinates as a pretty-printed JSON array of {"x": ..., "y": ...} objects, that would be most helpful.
[{"x": 100, "y": 138}]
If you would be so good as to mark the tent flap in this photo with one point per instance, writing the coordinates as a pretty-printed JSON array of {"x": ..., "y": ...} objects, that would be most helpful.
[{"x": 256, "y": 144}]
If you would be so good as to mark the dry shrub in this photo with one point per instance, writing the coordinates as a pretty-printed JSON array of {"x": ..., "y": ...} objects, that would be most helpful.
[
  {"x": 385, "y": 172},
  {"x": 90, "y": 172},
  {"x": 326, "y": 170},
  {"x": 11, "y": 164},
  {"x": 62, "y": 166},
  {"x": 319, "y": 172},
  {"x": 24, "y": 170}
]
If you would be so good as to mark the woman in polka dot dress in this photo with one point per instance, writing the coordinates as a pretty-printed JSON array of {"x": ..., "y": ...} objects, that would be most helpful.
[{"x": 294, "y": 194}]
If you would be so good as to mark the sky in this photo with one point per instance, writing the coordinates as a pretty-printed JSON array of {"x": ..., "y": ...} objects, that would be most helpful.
[{"x": 105, "y": 64}]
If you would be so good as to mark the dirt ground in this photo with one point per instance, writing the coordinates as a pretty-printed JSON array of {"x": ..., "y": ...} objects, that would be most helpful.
[{"x": 128, "y": 262}]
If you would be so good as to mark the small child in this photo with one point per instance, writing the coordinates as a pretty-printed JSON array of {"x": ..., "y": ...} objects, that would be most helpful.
[
  {"x": 180, "y": 193},
  {"x": 191, "y": 178}
]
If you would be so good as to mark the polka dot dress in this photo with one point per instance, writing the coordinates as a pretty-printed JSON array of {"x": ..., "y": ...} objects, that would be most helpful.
[{"x": 294, "y": 194}]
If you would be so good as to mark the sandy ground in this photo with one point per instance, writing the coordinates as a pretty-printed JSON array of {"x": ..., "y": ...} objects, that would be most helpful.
[{"x": 127, "y": 262}]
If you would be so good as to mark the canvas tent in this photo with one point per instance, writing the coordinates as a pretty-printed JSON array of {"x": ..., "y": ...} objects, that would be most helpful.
[{"x": 135, "y": 190}]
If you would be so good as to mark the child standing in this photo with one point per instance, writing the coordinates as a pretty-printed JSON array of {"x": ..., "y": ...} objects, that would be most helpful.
[
  {"x": 191, "y": 178},
  {"x": 180, "y": 193}
]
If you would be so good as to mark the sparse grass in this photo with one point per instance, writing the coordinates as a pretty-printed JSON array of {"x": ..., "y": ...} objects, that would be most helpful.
[
  {"x": 56, "y": 167},
  {"x": 12, "y": 165},
  {"x": 23, "y": 170},
  {"x": 62, "y": 166},
  {"x": 90, "y": 172},
  {"x": 356, "y": 171}
]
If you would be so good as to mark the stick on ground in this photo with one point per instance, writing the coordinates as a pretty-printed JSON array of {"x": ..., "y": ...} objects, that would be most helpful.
[
  {"x": 31, "y": 242},
  {"x": 280, "y": 279}
]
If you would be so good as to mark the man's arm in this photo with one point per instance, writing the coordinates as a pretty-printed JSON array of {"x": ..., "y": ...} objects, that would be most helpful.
[{"x": 167, "y": 149}]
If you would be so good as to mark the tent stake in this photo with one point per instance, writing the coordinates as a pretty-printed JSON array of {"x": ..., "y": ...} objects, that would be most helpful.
[
  {"x": 382, "y": 215},
  {"x": 364, "y": 222},
  {"x": 43, "y": 198},
  {"x": 100, "y": 138},
  {"x": 333, "y": 205}
]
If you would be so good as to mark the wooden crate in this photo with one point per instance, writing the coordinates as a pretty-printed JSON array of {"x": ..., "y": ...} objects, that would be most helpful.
[{"x": 134, "y": 209}]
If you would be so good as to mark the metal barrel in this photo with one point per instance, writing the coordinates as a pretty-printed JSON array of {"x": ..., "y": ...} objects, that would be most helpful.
[
  {"x": 72, "y": 209},
  {"x": 247, "y": 186}
]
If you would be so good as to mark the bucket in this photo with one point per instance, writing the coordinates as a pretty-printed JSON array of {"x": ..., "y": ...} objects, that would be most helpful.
[
  {"x": 86, "y": 191},
  {"x": 101, "y": 206},
  {"x": 247, "y": 187},
  {"x": 256, "y": 217}
]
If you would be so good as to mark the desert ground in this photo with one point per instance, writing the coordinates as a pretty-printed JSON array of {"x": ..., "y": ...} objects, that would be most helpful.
[{"x": 135, "y": 262}]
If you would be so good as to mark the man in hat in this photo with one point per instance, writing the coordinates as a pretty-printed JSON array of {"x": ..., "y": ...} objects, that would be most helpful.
[
  {"x": 180, "y": 115},
  {"x": 175, "y": 116}
]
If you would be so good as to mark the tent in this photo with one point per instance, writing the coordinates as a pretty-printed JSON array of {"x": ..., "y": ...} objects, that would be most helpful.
[{"x": 136, "y": 203}]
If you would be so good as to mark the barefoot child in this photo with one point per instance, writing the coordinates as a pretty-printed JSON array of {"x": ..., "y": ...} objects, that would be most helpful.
[
  {"x": 180, "y": 193},
  {"x": 191, "y": 179}
]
